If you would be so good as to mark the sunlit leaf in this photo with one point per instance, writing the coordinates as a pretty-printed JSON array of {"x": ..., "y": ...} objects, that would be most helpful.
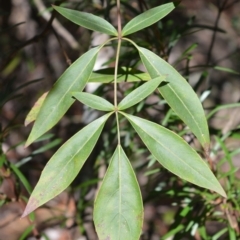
[
  {"x": 87, "y": 20},
  {"x": 147, "y": 18},
  {"x": 179, "y": 95},
  {"x": 65, "y": 164},
  {"x": 118, "y": 208},
  {"x": 124, "y": 75},
  {"x": 175, "y": 154},
  {"x": 32, "y": 115},
  {"x": 93, "y": 101},
  {"x": 140, "y": 93},
  {"x": 59, "y": 98}
]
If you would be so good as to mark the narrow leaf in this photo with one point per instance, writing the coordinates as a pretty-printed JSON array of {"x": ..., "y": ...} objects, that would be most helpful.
[
  {"x": 118, "y": 208},
  {"x": 21, "y": 177},
  {"x": 124, "y": 75},
  {"x": 224, "y": 69},
  {"x": 175, "y": 154},
  {"x": 59, "y": 98},
  {"x": 65, "y": 164},
  {"x": 179, "y": 95},
  {"x": 140, "y": 93},
  {"x": 147, "y": 18},
  {"x": 32, "y": 115},
  {"x": 87, "y": 20},
  {"x": 93, "y": 101}
]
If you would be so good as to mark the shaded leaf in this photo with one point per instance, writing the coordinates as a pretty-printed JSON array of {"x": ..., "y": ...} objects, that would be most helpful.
[
  {"x": 175, "y": 154},
  {"x": 179, "y": 95},
  {"x": 147, "y": 18},
  {"x": 87, "y": 20},
  {"x": 59, "y": 98},
  {"x": 26, "y": 232},
  {"x": 118, "y": 208},
  {"x": 65, "y": 164},
  {"x": 140, "y": 93},
  {"x": 32, "y": 115},
  {"x": 224, "y": 69},
  {"x": 21, "y": 177},
  {"x": 124, "y": 74},
  {"x": 93, "y": 101}
]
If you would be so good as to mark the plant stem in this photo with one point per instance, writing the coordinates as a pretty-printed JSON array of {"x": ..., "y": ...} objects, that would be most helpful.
[{"x": 116, "y": 66}]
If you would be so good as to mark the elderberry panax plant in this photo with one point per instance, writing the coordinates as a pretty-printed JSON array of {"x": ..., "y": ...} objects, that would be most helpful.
[{"x": 118, "y": 207}]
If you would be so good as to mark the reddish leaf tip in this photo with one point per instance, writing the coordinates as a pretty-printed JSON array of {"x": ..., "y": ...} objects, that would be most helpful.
[{"x": 33, "y": 203}]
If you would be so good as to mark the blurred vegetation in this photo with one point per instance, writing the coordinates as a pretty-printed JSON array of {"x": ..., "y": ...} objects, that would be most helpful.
[{"x": 200, "y": 38}]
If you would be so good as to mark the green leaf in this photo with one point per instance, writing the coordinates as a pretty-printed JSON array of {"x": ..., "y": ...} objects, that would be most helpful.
[
  {"x": 175, "y": 154},
  {"x": 65, "y": 164},
  {"x": 124, "y": 75},
  {"x": 93, "y": 101},
  {"x": 147, "y": 18},
  {"x": 21, "y": 177},
  {"x": 32, "y": 115},
  {"x": 179, "y": 95},
  {"x": 118, "y": 208},
  {"x": 87, "y": 20},
  {"x": 224, "y": 69},
  {"x": 26, "y": 232},
  {"x": 140, "y": 93},
  {"x": 59, "y": 98}
]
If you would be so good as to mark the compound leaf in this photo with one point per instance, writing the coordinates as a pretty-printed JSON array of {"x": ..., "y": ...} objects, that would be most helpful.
[
  {"x": 147, "y": 18},
  {"x": 118, "y": 208},
  {"x": 65, "y": 164},
  {"x": 175, "y": 154},
  {"x": 140, "y": 93},
  {"x": 87, "y": 20},
  {"x": 93, "y": 101},
  {"x": 179, "y": 95},
  {"x": 59, "y": 98}
]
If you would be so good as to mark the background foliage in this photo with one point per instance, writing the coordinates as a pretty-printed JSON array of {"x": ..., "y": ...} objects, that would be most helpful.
[{"x": 200, "y": 39}]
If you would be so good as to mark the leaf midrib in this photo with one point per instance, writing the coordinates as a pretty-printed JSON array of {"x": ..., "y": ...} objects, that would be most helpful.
[
  {"x": 199, "y": 173},
  {"x": 70, "y": 160},
  {"x": 95, "y": 21},
  {"x": 61, "y": 99},
  {"x": 197, "y": 124},
  {"x": 138, "y": 23}
]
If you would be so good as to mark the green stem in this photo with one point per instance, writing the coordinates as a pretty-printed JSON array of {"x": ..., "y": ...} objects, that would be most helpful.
[{"x": 116, "y": 67}]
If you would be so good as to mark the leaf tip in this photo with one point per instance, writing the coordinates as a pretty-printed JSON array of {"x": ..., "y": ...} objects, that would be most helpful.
[
  {"x": 33, "y": 203},
  {"x": 28, "y": 142}
]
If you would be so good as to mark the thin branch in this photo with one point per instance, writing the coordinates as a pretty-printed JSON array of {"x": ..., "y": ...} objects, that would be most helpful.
[
  {"x": 116, "y": 66},
  {"x": 30, "y": 41},
  {"x": 220, "y": 10},
  {"x": 68, "y": 60}
]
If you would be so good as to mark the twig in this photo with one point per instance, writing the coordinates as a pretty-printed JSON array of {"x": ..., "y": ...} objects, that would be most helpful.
[
  {"x": 220, "y": 10},
  {"x": 64, "y": 33},
  {"x": 28, "y": 42},
  {"x": 68, "y": 60}
]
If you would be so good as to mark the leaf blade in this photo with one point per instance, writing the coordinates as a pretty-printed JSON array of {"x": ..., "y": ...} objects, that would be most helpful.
[
  {"x": 140, "y": 93},
  {"x": 32, "y": 115},
  {"x": 65, "y": 164},
  {"x": 147, "y": 18},
  {"x": 118, "y": 208},
  {"x": 87, "y": 20},
  {"x": 59, "y": 99},
  {"x": 179, "y": 95},
  {"x": 181, "y": 160},
  {"x": 125, "y": 74},
  {"x": 93, "y": 101}
]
